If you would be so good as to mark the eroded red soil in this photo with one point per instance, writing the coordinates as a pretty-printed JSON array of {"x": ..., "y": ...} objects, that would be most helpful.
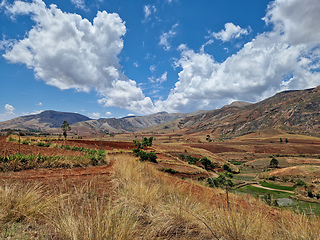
[{"x": 106, "y": 145}]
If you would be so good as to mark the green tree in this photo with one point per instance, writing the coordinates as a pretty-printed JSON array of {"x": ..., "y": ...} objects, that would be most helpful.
[
  {"x": 147, "y": 141},
  {"x": 223, "y": 182},
  {"x": 273, "y": 163},
  {"x": 65, "y": 128}
]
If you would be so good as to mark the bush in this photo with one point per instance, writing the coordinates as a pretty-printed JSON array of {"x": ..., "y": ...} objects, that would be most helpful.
[
  {"x": 226, "y": 168},
  {"x": 272, "y": 178},
  {"x": 274, "y": 163},
  {"x": 208, "y": 165},
  {"x": 310, "y": 194},
  {"x": 144, "y": 156},
  {"x": 192, "y": 160},
  {"x": 169, "y": 170},
  {"x": 300, "y": 183},
  {"x": 220, "y": 181},
  {"x": 147, "y": 141},
  {"x": 152, "y": 157}
]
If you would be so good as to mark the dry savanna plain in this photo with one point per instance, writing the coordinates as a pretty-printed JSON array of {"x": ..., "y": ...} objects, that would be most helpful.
[{"x": 173, "y": 185}]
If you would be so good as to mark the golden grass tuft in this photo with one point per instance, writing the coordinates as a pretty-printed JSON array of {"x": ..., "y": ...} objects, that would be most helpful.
[
  {"x": 94, "y": 220},
  {"x": 24, "y": 202}
]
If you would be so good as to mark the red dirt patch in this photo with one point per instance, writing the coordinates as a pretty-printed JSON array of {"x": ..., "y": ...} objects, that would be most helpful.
[
  {"x": 100, "y": 176},
  {"x": 106, "y": 145},
  {"x": 288, "y": 149},
  {"x": 216, "y": 148}
]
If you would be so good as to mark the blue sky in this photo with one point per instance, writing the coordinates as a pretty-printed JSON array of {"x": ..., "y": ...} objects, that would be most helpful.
[{"x": 106, "y": 58}]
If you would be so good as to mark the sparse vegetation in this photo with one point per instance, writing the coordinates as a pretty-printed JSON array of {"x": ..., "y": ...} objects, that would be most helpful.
[{"x": 144, "y": 156}]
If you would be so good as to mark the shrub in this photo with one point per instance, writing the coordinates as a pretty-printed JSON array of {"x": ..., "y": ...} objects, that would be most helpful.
[
  {"x": 274, "y": 163},
  {"x": 208, "y": 165},
  {"x": 300, "y": 182},
  {"x": 147, "y": 141},
  {"x": 272, "y": 178},
  {"x": 220, "y": 181},
  {"x": 152, "y": 157},
  {"x": 192, "y": 160},
  {"x": 40, "y": 144},
  {"x": 144, "y": 156},
  {"x": 310, "y": 194},
  {"x": 226, "y": 168},
  {"x": 169, "y": 170}
]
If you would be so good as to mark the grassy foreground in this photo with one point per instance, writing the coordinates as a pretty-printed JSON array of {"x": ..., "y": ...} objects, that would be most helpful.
[{"x": 143, "y": 204}]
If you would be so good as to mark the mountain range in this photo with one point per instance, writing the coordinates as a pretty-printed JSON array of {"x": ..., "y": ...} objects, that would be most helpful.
[{"x": 289, "y": 111}]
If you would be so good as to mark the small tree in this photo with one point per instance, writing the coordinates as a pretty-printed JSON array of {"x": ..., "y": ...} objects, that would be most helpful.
[
  {"x": 147, "y": 141},
  {"x": 223, "y": 182},
  {"x": 65, "y": 128},
  {"x": 274, "y": 163}
]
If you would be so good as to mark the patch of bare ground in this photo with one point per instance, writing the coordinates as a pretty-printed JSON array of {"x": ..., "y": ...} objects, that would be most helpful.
[
  {"x": 297, "y": 171},
  {"x": 216, "y": 148},
  {"x": 106, "y": 145},
  {"x": 53, "y": 179},
  {"x": 286, "y": 149}
]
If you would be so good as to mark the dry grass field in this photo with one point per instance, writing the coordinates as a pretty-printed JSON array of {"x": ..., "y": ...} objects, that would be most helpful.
[{"x": 87, "y": 194}]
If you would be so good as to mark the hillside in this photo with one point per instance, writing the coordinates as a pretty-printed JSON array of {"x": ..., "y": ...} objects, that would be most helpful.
[
  {"x": 289, "y": 111},
  {"x": 44, "y": 121},
  {"x": 127, "y": 124}
]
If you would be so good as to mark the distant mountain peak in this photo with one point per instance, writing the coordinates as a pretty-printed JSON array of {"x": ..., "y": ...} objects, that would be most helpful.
[{"x": 238, "y": 104}]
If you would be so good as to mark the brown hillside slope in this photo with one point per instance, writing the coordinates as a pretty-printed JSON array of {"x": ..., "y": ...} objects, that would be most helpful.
[{"x": 289, "y": 111}]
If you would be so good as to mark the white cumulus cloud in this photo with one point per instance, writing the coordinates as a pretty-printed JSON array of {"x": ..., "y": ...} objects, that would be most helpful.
[
  {"x": 231, "y": 31},
  {"x": 94, "y": 115},
  {"x": 288, "y": 57},
  {"x": 68, "y": 51},
  {"x": 8, "y": 113},
  {"x": 9, "y": 108}
]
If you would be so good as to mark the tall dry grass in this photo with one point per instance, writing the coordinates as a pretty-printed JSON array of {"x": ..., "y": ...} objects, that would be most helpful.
[
  {"x": 94, "y": 220},
  {"x": 24, "y": 202},
  {"x": 146, "y": 204},
  {"x": 167, "y": 211}
]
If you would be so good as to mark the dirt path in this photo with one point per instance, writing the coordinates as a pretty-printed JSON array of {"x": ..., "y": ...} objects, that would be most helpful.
[{"x": 278, "y": 190}]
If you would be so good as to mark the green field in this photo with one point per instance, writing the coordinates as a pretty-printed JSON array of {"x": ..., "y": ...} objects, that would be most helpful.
[
  {"x": 255, "y": 190},
  {"x": 275, "y": 186}
]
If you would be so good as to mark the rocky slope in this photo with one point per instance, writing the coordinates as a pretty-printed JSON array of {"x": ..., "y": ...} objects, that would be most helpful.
[
  {"x": 290, "y": 111},
  {"x": 127, "y": 124}
]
